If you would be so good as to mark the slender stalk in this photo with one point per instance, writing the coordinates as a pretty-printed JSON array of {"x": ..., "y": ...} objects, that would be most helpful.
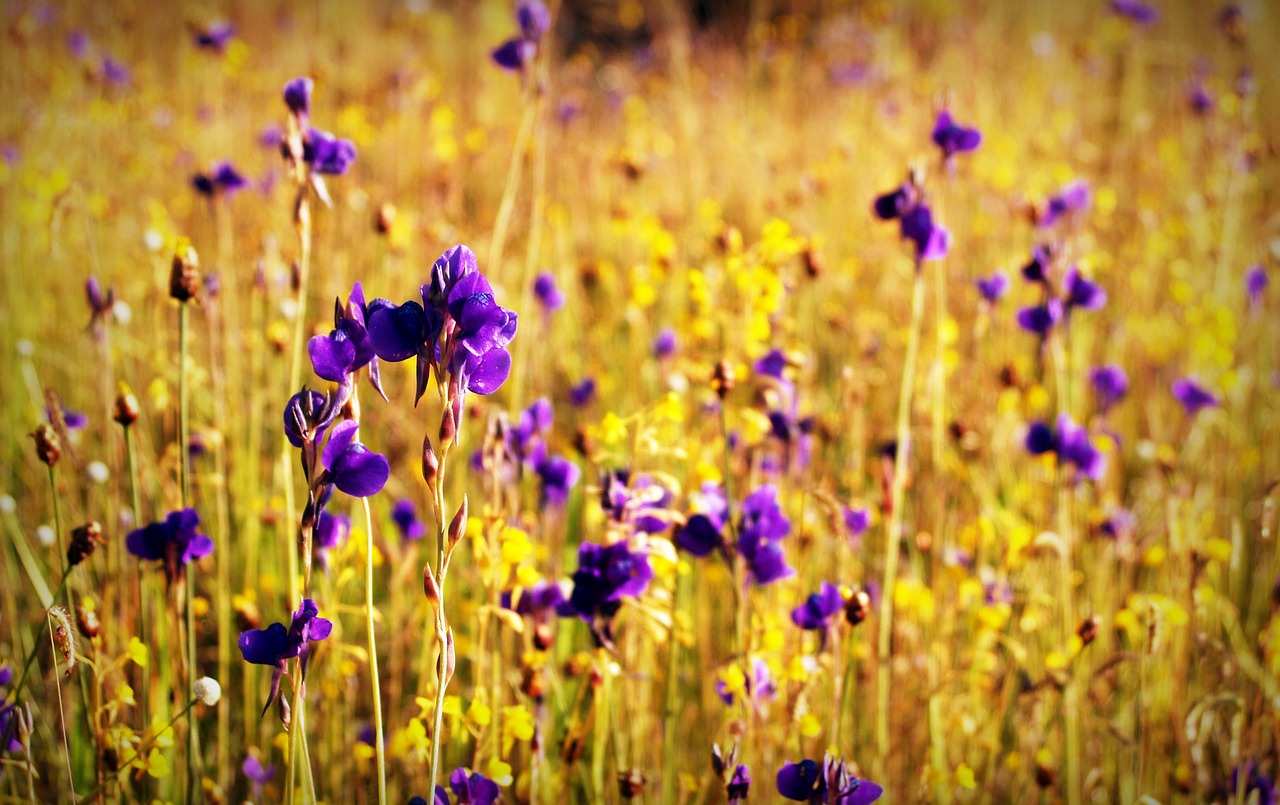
[
  {"x": 441, "y": 621},
  {"x": 62, "y": 718},
  {"x": 12, "y": 696},
  {"x": 884, "y": 643},
  {"x": 184, "y": 453},
  {"x": 373, "y": 655},
  {"x": 1071, "y": 779},
  {"x": 184, "y": 422},
  {"x": 672, "y": 697}
]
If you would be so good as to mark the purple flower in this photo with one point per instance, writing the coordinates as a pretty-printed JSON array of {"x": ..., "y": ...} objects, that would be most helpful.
[
  {"x": 819, "y": 609},
  {"x": 771, "y": 364},
  {"x": 113, "y": 72},
  {"x": 1070, "y": 443},
  {"x": 1255, "y": 780},
  {"x": 405, "y": 517},
  {"x": 544, "y": 287},
  {"x": 1040, "y": 319},
  {"x": 542, "y": 597},
  {"x": 1255, "y": 282},
  {"x": 1110, "y": 384},
  {"x": 1073, "y": 198},
  {"x": 297, "y": 96},
  {"x": 459, "y": 303},
  {"x": 583, "y": 393},
  {"x": 664, "y": 346},
  {"x": 606, "y": 575},
  {"x": 276, "y": 644},
  {"x": 1135, "y": 11},
  {"x": 306, "y": 417},
  {"x": 831, "y": 783},
  {"x": 331, "y": 532},
  {"x": 893, "y": 204},
  {"x": 856, "y": 520},
  {"x": 641, "y": 503},
  {"x": 1036, "y": 269},
  {"x": 174, "y": 541},
  {"x": 994, "y": 287},
  {"x": 9, "y": 737},
  {"x": 473, "y": 788},
  {"x": 739, "y": 784},
  {"x": 953, "y": 138},
  {"x": 256, "y": 772},
  {"x": 1193, "y": 396},
  {"x": 327, "y": 154},
  {"x": 347, "y": 348},
  {"x": 761, "y": 526},
  {"x": 931, "y": 240},
  {"x": 1200, "y": 100},
  {"x": 703, "y": 532},
  {"x": 1080, "y": 292},
  {"x": 558, "y": 475},
  {"x": 350, "y": 466},
  {"x": 216, "y": 36},
  {"x": 533, "y": 18},
  {"x": 222, "y": 179},
  {"x": 78, "y": 44}
]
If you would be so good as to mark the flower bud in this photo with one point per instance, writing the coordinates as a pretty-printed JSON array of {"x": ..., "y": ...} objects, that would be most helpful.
[
  {"x": 458, "y": 526},
  {"x": 450, "y": 656},
  {"x": 84, "y": 540},
  {"x": 1088, "y": 630},
  {"x": 88, "y": 620},
  {"x": 384, "y": 218},
  {"x": 429, "y": 586},
  {"x": 126, "y": 409},
  {"x": 184, "y": 278},
  {"x": 48, "y": 443},
  {"x": 430, "y": 463},
  {"x": 286, "y": 712},
  {"x": 723, "y": 379},
  {"x": 448, "y": 425}
]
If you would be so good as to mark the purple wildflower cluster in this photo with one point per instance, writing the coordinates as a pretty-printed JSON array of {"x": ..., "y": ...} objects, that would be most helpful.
[
  {"x": 534, "y": 20},
  {"x": 173, "y": 541},
  {"x": 1076, "y": 292},
  {"x": 761, "y": 528},
  {"x": 523, "y": 446},
  {"x": 831, "y": 783},
  {"x": 1070, "y": 443},
  {"x": 277, "y": 643}
]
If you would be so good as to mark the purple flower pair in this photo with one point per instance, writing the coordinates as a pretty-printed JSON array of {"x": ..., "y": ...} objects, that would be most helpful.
[
  {"x": 534, "y": 20},
  {"x": 1070, "y": 443},
  {"x": 832, "y": 783},
  {"x": 348, "y": 347},
  {"x": 173, "y": 541},
  {"x": 915, "y": 221}
]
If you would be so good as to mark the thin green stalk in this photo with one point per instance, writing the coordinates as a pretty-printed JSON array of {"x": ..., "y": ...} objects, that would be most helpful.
[
  {"x": 884, "y": 644},
  {"x": 373, "y": 655},
  {"x": 184, "y": 453},
  {"x": 441, "y": 621},
  {"x": 672, "y": 697},
  {"x": 184, "y": 422},
  {"x": 1071, "y": 778},
  {"x": 135, "y": 497}
]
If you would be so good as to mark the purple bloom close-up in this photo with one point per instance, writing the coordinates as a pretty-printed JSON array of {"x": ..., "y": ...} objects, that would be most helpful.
[
  {"x": 473, "y": 788},
  {"x": 583, "y": 393},
  {"x": 606, "y": 575},
  {"x": 1255, "y": 282},
  {"x": 222, "y": 179},
  {"x": 1040, "y": 319},
  {"x": 352, "y": 467},
  {"x": 216, "y": 36},
  {"x": 831, "y": 783},
  {"x": 327, "y": 154},
  {"x": 558, "y": 475},
  {"x": 1070, "y": 443},
  {"x": 297, "y": 95},
  {"x": 348, "y": 347},
  {"x": 533, "y": 18},
  {"x": 761, "y": 526},
  {"x": 1080, "y": 292},
  {"x": 931, "y": 240}
]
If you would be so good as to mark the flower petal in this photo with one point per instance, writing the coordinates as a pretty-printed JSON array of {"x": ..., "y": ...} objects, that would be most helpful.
[
  {"x": 332, "y": 355},
  {"x": 397, "y": 332},
  {"x": 342, "y": 437},
  {"x": 264, "y": 646},
  {"x": 360, "y": 472}
]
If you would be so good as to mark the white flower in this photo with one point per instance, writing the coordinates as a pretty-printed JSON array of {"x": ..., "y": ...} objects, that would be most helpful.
[{"x": 208, "y": 691}]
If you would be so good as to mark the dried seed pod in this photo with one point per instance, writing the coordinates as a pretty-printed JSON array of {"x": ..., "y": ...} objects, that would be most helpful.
[
  {"x": 126, "y": 409},
  {"x": 1088, "y": 630},
  {"x": 87, "y": 618},
  {"x": 48, "y": 443},
  {"x": 723, "y": 379},
  {"x": 184, "y": 276},
  {"x": 384, "y": 218},
  {"x": 857, "y": 607},
  {"x": 84, "y": 541},
  {"x": 64, "y": 638},
  {"x": 430, "y": 463},
  {"x": 630, "y": 783}
]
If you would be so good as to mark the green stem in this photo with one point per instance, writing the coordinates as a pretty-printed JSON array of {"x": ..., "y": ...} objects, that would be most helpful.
[
  {"x": 673, "y": 696},
  {"x": 1070, "y": 694},
  {"x": 884, "y": 644},
  {"x": 373, "y": 655},
  {"x": 12, "y": 697},
  {"x": 184, "y": 422}
]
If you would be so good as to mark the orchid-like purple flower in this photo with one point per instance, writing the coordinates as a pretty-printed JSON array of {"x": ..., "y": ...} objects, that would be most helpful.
[
  {"x": 558, "y": 475},
  {"x": 1073, "y": 198},
  {"x": 607, "y": 574},
  {"x": 216, "y": 37},
  {"x": 1080, "y": 292},
  {"x": 348, "y": 348},
  {"x": 1193, "y": 396},
  {"x": 953, "y": 138},
  {"x": 459, "y": 305},
  {"x": 583, "y": 393},
  {"x": 276, "y": 644},
  {"x": 1070, "y": 443},
  {"x": 297, "y": 96},
  {"x": 1040, "y": 319},
  {"x": 1110, "y": 384},
  {"x": 331, "y": 532},
  {"x": 703, "y": 532},
  {"x": 473, "y": 788},
  {"x": 173, "y": 541},
  {"x": 349, "y": 465},
  {"x": 832, "y": 783},
  {"x": 664, "y": 346}
]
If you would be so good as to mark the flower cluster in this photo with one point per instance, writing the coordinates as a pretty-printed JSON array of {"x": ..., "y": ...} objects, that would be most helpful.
[
  {"x": 1076, "y": 292},
  {"x": 469, "y": 787},
  {"x": 953, "y": 138},
  {"x": 523, "y": 446},
  {"x": 222, "y": 180},
  {"x": 459, "y": 333},
  {"x": 348, "y": 348},
  {"x": 311, "y": 152}
]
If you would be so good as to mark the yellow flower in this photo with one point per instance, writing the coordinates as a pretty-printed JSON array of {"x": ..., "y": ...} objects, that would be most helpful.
[
  {"x": 137, "y": 651},
  {"x": 517, "y": 725}
]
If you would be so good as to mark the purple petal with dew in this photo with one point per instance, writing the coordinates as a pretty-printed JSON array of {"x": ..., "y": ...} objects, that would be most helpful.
[{"x": 489, "y": 371}]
